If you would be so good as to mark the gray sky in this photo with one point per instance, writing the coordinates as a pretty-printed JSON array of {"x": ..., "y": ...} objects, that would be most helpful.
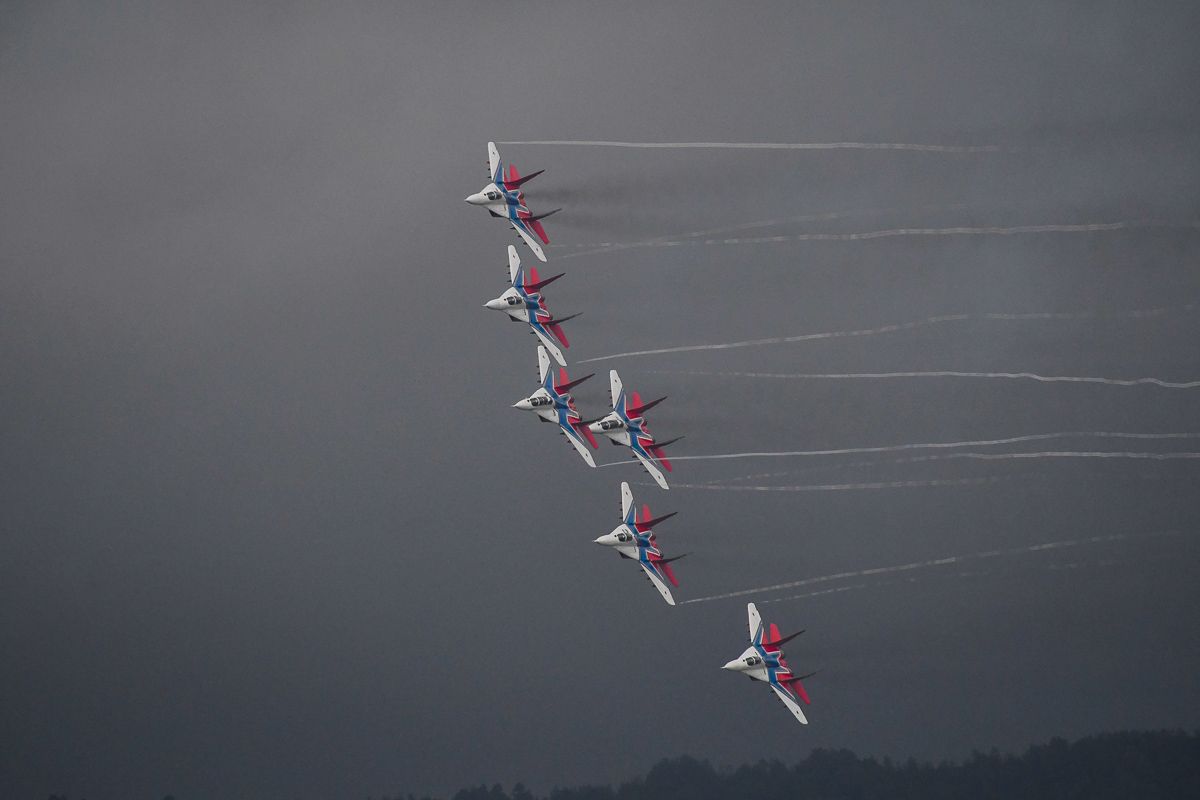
[{"x": 271, "y": 529}]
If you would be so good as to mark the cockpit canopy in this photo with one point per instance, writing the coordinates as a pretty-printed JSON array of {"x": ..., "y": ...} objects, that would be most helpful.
[
  {"x": 752, "y": 661},
  {"x": 624, "y": 536},
  {"x": 492, "y": 194},
  {"x": 611, "y": 424}
]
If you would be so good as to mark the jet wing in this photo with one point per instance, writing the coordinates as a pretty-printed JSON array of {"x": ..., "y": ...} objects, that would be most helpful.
[
  {"x": 754, "y": 619},
  {"x": 543, "y": 365},
  {"x": 514, "y": 265},
  {"x": 652, "y": 468},
  {"x": 548, "y": 344},
  {"x": 494, "y": 164},
  {"x": 533, "y": 243},
  {"x": 573, "y": 437},
  {"x": 788, "y": 700},
  {"x": 626, "y": 504},
  {"x": 658, "y": 584},
  {"x": 615, "y": 388}
]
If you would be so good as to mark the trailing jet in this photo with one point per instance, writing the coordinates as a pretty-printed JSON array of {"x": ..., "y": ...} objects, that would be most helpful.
[
  {"x": 524, "y": 303},
  {"x": 502, "y": 197},
  {"x": 633, "y": 538},
  {"x": 626, "y": 426},
  {"x": 763, "y": 661},
  {"x": 552, "y": 404}
]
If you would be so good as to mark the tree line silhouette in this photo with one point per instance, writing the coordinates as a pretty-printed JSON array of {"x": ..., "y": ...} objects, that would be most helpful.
[
  {"x": 1121, "y": 766},
  {"x": 1150, "y": 765}
]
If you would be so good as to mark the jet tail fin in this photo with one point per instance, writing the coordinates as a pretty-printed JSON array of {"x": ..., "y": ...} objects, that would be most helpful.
[
  {"x": 566, "y": 387},
  {"x": 650, "y": 523},
  {"x": 537, "y": 287},
  {"x": 637, "y": 411},
  {"x": 542, "y": 216},
  {"x": 782, "y": 641},
  {"x": 515, "y": 181}
]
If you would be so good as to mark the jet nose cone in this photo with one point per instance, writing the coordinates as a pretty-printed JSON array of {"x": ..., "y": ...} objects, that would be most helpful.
[
  {"x": 735, "y": 665},
  {"x": 495, "y": 305},
  {"x": 595, "y": 428},
  {"x": 524, "y": 405},
  {"x": 600, "y": 539}
]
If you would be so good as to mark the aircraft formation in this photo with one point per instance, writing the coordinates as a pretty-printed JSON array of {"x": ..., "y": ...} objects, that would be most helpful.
[{"x": 624, "y": 425}]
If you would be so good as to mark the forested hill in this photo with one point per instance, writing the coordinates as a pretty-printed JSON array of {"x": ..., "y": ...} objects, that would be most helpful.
[{"x": 1121, "y": 766}]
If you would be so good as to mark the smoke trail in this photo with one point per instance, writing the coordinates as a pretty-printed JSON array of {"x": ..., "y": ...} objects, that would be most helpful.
[
  {"x": 1074, "y": 454},
  {"x": 804, "y": 337},
  {"x": 1033, "y": 437},
  {"x": 987, "y": 230},
  {"x": 915, "y": 484},
  {"x": 920, "y": 148},
  {"x": 944, "y": 374},
  {"x": 842, "y": 487},
  {"x": 610, "y": 247},
  {"x": 934, "y": 562},
  {"x": 1057, "y": 567},
  {"x": 904, "y": 326}
]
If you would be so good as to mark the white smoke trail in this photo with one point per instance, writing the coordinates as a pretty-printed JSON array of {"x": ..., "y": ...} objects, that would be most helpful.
[
  {"x": 917, "y": 565},
  {"x": 903, "y": 326},
  {"x": 986, "y": 230},
  {"x": 1075, "y": 454},
  {"x": 920, "y": 148},
  {"x": 1056, "y": 567},
  {"x": 943, "y": 374},
  {"x": 804, "y": 337},
  {"x": 588, "y": 249},
  {"x": 611, "y": 247},
  {"x": 1033, "y": 437},
  {"x": 843, "y": 487}
]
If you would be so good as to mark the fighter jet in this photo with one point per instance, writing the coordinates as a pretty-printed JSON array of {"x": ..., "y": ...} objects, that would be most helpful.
[
  {"x": 763, "y": 661},
  {"x": 502, "y": 197},
  {"x": 524, "y": 303},
  {"x": 626, "y": 426},
  {"x": 633, "y": 538},
  {"x": 552, "y": 404}
]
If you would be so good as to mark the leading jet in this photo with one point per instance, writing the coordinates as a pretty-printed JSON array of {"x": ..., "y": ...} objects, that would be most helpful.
[
  {"x": 625, "y": 425},
  {"x": 634, "y": 539},
  {"x": 502, "y": 197},
  {"x": 552, "y": 404},
  {"x": 523, "y": 302},
  {"x": 763, "y": 661}
]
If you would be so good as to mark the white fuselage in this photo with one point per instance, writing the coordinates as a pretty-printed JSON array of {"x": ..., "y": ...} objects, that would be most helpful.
[
  {"x": 749, "y": 663},
  {"x": 623, "y": 540},
  {"x": 613, "y": 427},
  {"x": 498, "y": 202},
  {"x": 512, "y": 304},
  {"x": 540, "y": 403}
]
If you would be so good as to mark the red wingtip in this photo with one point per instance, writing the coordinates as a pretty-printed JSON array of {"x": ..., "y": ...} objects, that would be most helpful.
[
  {"x": 540, "y": 231},
  {"x": 533, "y": 276},
  {"x": 670, "y": 573},
  {"x": 558, "y": 334},
  {"x": 587, "y": 434}
]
